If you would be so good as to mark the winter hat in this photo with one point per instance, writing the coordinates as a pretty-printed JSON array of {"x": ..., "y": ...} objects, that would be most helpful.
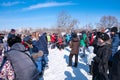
[
  {"x": 98, "y": 34},
  {"x": 114, "y": 29},
  {"x": 12, "y": 30},
  {"x": 104, "y": 36},
  {"x": 74, "y": 35}
]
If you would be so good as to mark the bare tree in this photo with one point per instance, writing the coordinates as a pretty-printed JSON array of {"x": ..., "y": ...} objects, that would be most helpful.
[
  {"x": 88, "y": 27},
  {"x": 107, "y": 22},
  {"x": 65, "y": 21},
  {"x": 74, "y": 23}
]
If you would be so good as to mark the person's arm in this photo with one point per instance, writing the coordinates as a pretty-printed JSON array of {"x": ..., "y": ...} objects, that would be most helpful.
[
  {"x": 29, "y": 45},
  {"x": 70, "y": 44}
]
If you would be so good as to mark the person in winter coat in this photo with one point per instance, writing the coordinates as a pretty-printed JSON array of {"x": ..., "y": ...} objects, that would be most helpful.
[
  {"x": 37, "y": 46},
  {"x": 74, "y": 45},
  {"x": 115, "y": 43},
  {"x": 115, "y": 40},
  {"x": 92, "y": 39},
  {"x": 22, "y": 63},
  {"x": 53, "y": 38},
  {"x": 12, "y": 33},
  {"x": 115, "y": 69},
  {"x": 67, "y": 39},
  {"x": 60, "y": 42},
  {"x": 96, "y": 46},
  {"x": 103, "y": 54},
  {"x": 83, "y": 44},
  {"x": 43, "y": 41}
]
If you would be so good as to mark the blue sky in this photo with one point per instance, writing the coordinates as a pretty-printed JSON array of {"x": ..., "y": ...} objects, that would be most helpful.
[{"x": 43, "y": 13}]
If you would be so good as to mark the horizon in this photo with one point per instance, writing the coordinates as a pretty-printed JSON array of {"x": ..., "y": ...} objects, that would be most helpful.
[{"x": 43, "y": 14}]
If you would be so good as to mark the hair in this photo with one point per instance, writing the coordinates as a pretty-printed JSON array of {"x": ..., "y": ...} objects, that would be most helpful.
[
  {"x": 13, "y": 40},
  {"x": 74, "y": 35},
  {"x": 114, "y": 29}
]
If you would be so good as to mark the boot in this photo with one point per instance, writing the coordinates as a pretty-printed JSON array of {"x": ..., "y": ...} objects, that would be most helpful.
[
  {"x": 82, "y": 56},
  {"x": 75, "y": 65}
]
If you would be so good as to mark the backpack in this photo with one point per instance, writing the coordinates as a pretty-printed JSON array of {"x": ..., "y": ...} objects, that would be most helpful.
[{"x": 24, "y": 66}]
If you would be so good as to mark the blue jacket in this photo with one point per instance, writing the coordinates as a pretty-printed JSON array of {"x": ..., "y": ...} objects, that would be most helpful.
[
  {"x": 35, "y": 48},
  {"x": 115, "y": 44},
  {"x": 67, "y": 37},
  {"x": 11, "y": 35},
  {"x": 43, "y": 41}
]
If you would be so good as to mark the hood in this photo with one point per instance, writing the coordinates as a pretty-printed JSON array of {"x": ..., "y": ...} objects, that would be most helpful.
[{"x": 18, "y": 46}]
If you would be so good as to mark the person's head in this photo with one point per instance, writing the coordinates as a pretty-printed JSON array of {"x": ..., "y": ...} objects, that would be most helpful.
[
  {"x": 13, "y": 40},
  {"x": 98, "y": 34},
  {"x": 83, "y": 32},
  {"x": 74, "y": 35},
  {"x": 28, "y": 39},
  {"x": 114, "y": 30},
  {"x": 37, "y": 34},
  {"x": 12, "y": 31},
  {"x": 33, "y": 34},
  {"x": 103, "y": 37}
]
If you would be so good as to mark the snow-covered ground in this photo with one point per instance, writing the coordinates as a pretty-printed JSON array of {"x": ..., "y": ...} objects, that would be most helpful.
[{"x": 58, "y": 69}]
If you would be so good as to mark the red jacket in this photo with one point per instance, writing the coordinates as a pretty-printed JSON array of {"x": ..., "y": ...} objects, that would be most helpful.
[
  {"x": 92, "y": 39},
  {"x": 60, "y": 41},
  {"x": 53, "y": 38}
]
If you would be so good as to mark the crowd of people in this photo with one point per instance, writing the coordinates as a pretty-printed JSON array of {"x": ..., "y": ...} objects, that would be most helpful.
[
  {"x": 23, "y": 57},
  {"x": 22, "y": 54}
]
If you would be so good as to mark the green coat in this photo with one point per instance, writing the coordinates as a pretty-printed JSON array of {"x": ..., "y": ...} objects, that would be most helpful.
[
  {"x": 83, "y": 40},
  {"x": 48, "y": 38}
]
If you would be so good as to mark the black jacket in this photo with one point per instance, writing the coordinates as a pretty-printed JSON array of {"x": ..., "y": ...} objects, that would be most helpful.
[
  {"x": 115, "y": 72},
  {"x": 101, "y": 60}
]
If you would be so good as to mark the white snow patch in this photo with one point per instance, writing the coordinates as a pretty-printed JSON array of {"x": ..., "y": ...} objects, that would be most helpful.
[{"x": 58, "y": 69}]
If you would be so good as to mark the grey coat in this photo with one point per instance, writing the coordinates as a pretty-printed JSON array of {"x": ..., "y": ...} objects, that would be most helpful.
[{"x": 23, "y": 65}]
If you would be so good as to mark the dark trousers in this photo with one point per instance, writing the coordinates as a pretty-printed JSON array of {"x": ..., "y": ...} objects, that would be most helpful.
[
  {"x": 91, "y": 69},
  {"x": 70, "y": 59},
  {"x": 110, "y": 68},
  {"x": 99, "y": 74}
]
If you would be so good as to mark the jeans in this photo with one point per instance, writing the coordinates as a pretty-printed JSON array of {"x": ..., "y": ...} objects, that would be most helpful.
[
  {"x": 45, "y": 60},
  {"x": 39, "y": 64}
]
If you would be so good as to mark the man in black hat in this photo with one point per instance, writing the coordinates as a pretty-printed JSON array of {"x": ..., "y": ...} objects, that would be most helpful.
[
  {"x": 12, "y": 33},
  {"x": 115, "y": 40}
]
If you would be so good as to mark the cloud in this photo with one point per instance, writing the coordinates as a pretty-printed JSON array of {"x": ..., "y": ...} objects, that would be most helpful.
[
  {"x": 11, "y": 3},
  {"x": 49, "y": 4}
]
